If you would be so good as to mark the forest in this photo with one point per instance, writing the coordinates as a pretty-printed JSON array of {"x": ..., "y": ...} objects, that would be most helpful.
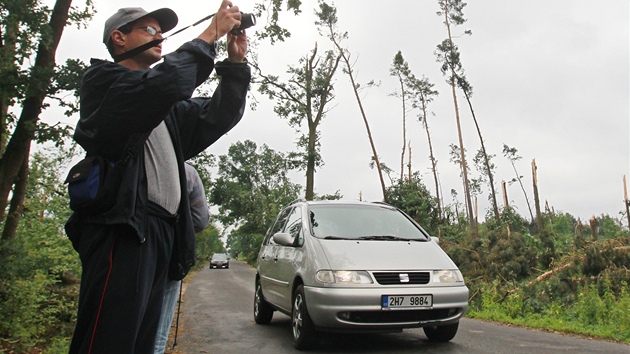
[{"x": 534, "y": 266}]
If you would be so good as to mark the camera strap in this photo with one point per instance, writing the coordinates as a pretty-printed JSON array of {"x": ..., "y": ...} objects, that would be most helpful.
[{"x": 137, "y": 50}]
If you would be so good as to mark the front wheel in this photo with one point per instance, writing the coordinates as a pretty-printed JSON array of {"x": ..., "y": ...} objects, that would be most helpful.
[
  {"x": 441, "y": 333},
  {"x": 263, "y": 312},
  {"x": 304, "y": 334}
]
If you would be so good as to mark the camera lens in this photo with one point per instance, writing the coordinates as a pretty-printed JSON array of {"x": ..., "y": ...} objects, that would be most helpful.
[{"x": 247, "y": 20}]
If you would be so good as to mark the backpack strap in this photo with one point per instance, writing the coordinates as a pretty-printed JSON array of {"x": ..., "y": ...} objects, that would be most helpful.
[{"x": 135, "y": 148}]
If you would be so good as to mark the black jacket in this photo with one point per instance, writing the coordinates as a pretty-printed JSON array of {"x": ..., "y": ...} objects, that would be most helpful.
[{"x": 118, "y": 105}]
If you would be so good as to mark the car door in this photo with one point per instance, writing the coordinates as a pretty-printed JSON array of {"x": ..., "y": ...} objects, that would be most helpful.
[
  {"x": 267, "y": 260},
  {"x": 288, "y": 258}
]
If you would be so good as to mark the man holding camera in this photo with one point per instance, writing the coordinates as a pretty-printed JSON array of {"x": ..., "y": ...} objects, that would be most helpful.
[{"x": 128, "y": 252}]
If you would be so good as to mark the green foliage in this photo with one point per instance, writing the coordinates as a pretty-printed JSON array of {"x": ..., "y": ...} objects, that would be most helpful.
[
  {"x": 247, "y": 244},
  {"x": 413, "y": 197},
  {"x": 597, "y": 310},
  {"x": 39, "y": 268},
  {"x": 251, "y": 188},
  {"x": 586, "y": 293},
  {"x": 606, "y": 257},
  {"x": 208, "y": 243},
  {"x": 271, "y": 9}
]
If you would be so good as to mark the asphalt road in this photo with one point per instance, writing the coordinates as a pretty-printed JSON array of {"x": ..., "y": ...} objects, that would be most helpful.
[{"x": 217, "y": 317}]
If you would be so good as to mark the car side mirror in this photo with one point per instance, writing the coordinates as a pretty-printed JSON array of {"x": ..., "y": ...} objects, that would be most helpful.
[
  {"x": 283, "y": 238},
  {"x": 435, "y": 239}
]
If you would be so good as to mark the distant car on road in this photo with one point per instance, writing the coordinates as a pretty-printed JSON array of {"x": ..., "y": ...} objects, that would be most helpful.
[
  {"x": 220, "y": 260},
  {"x": 356, "y": 267}
]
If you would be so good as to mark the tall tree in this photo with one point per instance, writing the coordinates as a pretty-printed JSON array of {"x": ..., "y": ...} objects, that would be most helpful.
[
  {"x": 27, "y": 29},
  {"x": 400, "y": 69},
  {"x": 422, "y": 93},
  {"x": 448, "y": 55},
  {"x": 304, "y": 97},
  {"x": 328, "y": 22}
]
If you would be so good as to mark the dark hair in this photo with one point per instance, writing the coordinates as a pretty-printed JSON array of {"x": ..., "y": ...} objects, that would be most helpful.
[{"x": 125, "y": 29}]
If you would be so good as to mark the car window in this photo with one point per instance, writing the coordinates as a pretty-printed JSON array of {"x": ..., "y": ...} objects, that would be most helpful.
[
  {"x": 278, "y": 225},
  {"x": 219, "y": 257},
  {"x": 362, "y": 221},
  {"x": 294, "y": 226}
]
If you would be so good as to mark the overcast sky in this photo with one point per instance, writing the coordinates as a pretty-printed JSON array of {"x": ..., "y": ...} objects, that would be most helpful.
[{"x": 550, "y": 78}]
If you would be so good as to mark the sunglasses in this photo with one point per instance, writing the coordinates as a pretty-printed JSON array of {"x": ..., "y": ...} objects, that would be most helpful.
[{"x": 150, "y": 30}]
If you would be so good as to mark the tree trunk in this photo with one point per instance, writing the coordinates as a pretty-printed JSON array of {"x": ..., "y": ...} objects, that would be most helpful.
[
  {"x": 506, "y": 205},
  {"x": 409, "y": 163},
  {"x": 312, "y": 129},
  {"x": 18, "y": 147},
  {"x": 310, "y": 165},
  {"x": 367, "y": 125},
  {"x": 520, "y": 182},
  {"x": 493, "y": 193},
  {"x": 404, "y": 129},
  {"x": 593, "y": 224},
  {"x": 433, "y": 161},
  {"x": 626, "y": 201},
  {"x": 17, "y": 203},
  {"x": 471, "y": 217},
  {"x": 464, "y": 167},
  {"x": 539, "y": 222}
]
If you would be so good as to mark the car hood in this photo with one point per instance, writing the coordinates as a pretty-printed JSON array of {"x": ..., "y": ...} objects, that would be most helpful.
[{"x": 384, "y": 255}]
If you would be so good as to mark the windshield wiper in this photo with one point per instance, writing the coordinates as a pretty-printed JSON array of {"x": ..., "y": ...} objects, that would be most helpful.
[
  {"x": 337, "y": 238},
  {"x": 384, "y": 238}
]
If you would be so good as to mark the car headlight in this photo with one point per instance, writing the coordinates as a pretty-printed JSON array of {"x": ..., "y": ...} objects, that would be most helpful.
[
  {"x": 447, "y": 276},
  {"x": 343, "y": 277}
]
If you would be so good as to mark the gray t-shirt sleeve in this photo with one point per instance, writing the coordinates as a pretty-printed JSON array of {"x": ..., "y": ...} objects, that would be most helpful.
[{"x": 198, "y": 203}]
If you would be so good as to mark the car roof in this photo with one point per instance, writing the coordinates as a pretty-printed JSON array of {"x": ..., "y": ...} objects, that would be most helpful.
[
  {"x": 337, "y": 203},
  {"x": 340, "y": 202}
]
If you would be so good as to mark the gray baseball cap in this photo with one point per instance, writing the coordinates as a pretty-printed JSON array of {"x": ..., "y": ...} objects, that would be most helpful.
[{"x": 166, "y": 17}]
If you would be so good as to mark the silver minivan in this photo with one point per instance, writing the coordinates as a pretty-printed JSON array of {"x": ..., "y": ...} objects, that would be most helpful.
[{"x": 338, "y": 266}]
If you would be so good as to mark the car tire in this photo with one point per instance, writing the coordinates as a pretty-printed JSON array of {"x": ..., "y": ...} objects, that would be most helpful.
[
  {"x": 304, "y": 334},
  {"x": 263, "y": 312},
  {"x": 441, "y": 333}
]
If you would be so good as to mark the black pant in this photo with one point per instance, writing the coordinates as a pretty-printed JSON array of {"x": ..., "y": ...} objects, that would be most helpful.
[{"x": 122, "y": 287}]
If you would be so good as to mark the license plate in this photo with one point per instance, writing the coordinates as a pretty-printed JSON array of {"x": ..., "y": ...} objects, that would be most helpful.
[{"x": 390, "y": 302}]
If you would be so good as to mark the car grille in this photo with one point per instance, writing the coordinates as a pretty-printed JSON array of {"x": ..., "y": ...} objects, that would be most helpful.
[
  {"x": 394, "y": 278},
  {"x": 396, "y": 316}
]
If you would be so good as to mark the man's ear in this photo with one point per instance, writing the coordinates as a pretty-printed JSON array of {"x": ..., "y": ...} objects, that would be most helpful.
[{"x": 118, "y": 38}]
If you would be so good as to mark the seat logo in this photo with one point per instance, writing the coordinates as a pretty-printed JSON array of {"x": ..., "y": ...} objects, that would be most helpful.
[{"x": 404, "y": 277}]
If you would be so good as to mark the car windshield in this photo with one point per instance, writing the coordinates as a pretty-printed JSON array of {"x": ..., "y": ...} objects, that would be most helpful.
[
  {"x": 363, "y": 222},
  {"x": 219, "y": 257}
]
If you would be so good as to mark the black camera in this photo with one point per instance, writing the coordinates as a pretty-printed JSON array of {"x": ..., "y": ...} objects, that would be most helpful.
[{"x": 247, "y": 20}]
